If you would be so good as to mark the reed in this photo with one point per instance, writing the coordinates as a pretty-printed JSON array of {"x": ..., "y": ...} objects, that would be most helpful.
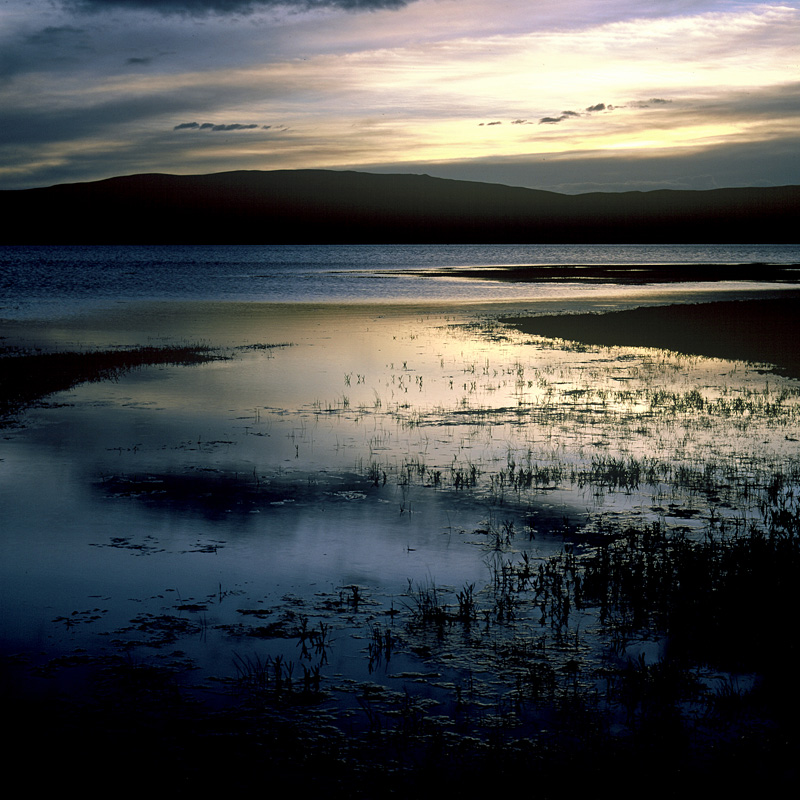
[{"x": 26, "y": 377}]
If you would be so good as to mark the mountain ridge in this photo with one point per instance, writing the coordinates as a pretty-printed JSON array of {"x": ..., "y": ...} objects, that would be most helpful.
[{"x": 329, "y": 206}]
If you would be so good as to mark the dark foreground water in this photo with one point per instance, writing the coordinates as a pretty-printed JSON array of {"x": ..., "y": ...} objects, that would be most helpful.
[{"x": 375, "y": 536}]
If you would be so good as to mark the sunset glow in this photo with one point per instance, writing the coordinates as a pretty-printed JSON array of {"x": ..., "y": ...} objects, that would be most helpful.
[{"x": 708, "y": 90}]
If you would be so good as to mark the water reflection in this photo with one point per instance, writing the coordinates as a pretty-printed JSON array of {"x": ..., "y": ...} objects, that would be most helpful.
[{"x": 367, "y": 473}]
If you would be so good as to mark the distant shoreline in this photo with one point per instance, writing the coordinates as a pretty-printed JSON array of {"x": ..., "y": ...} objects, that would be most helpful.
[
  {"x": 624, "y": 274},
  {"x": 759, "y": 331},
  {"x": 348, "y": 207}
]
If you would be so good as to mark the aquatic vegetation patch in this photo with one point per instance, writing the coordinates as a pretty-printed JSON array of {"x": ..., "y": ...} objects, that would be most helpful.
[
  {"x": 488, "y": 558},
  {"x": 217, "y": 494},
  {"x": 27, "y": 376},
  {"x": 158, "y": 630}
]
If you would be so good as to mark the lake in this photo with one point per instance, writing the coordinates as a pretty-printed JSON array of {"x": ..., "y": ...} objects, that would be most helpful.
[
  {"x": 377, "y": 524},
  {"x": 50, "y": 281}
]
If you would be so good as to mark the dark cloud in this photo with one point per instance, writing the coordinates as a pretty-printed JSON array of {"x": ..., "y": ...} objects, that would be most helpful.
[
  {"x": 220, "y": 7},
  {"x": 211, "y": 126},
  {"x": 234, "y": 126},
  {"x": 53, "y": 47},
  {"x": 560, "y": 118},
  {"x": 653, "y": 101},
  {"x": 52, "y": 35},
  {"x": 28, "y": 127}
]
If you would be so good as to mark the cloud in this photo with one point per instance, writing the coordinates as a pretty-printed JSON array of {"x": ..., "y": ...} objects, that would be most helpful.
[
  {"x": 52, "y": 34},
  {"x": 591, "y": 109},
  {"x": 78, "y": 93},
  {"x": 554, "y": 120},
  {"x": 222, "y": 7},
  {"x": 59, "y": 45},
  {"x": 653, "y": 101},
  {"x": 211, "y": 126},
  {"x": 23, "y": 128},
  {"x": 764, "y": 163}
]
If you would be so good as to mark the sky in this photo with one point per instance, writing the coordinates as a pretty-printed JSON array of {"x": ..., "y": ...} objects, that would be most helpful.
[{"x": 565, "y": 95}]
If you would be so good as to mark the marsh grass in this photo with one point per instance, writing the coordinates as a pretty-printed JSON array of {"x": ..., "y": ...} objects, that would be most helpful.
[
  {"x": 275, "y": 681},
  {"x": 638, "y": 523},
  {"x": 28, "y": 376},
  {"x": 628, "y": 642}
]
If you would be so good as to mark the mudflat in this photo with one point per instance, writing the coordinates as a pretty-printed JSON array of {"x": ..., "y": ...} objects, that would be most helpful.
[
  {"x": 758, "y": 331},
  {"x": 625, "y": 274}
]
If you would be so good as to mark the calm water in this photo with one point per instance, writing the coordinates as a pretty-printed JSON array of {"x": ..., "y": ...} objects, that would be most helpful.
[
  {"x": 167, "y": 516},
  {"x": 51, "y": 281}
]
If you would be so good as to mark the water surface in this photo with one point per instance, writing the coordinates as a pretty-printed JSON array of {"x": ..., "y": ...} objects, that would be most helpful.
[
  {"x": 368, "y": 437},
  {"x": 49, "y": 281}
]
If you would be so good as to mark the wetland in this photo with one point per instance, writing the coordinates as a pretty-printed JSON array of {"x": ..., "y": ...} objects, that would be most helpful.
[{"x": 368, "y": 549}]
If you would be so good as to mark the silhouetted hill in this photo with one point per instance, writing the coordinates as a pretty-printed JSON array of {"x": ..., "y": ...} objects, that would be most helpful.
[{"x": 319, "y": 206}]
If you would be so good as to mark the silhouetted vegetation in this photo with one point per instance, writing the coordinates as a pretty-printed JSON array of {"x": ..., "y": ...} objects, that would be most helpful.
[{"x": 26, "y": 377}]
